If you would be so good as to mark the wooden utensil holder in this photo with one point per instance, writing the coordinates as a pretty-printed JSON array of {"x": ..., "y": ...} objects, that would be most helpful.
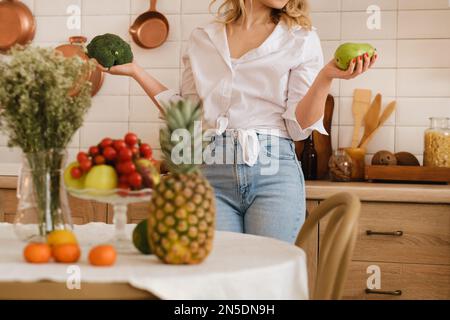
[{"x": 358, "y": 156}]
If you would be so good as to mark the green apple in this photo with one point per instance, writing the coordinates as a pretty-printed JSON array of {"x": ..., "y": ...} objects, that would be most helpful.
[
  {"x": 70, "y": 181},
  {"x": 349, "y": 51},
  {"x": 101, "y": 178},
  {"x": 149, "y": 172}
]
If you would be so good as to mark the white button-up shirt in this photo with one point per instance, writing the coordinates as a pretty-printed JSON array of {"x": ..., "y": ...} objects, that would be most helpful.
[{"x": 257, "y": 93}]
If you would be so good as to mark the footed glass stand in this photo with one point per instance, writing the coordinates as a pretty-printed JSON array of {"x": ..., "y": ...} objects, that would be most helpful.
[{"x": 119, "y": 199}]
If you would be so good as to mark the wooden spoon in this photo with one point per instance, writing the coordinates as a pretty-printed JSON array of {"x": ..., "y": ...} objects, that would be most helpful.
[
  {"x": 384, "y": 117},
  {"x": 361, "y": 102},
  {"x": 372, "y": 117}
]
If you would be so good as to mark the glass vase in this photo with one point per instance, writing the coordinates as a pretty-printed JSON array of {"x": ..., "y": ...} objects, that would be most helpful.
[
  {"x": 42, "y": 200},
  {"x": 340, "y": 166}
]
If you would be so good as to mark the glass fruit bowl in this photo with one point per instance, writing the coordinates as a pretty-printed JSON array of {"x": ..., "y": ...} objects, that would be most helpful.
[{"x": 119, "y": 199}]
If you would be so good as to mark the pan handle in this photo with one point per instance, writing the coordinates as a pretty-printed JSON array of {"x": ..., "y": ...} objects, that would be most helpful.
[
  {"x": 153, "y": 5},
  {"x": 77, "y": 40}
]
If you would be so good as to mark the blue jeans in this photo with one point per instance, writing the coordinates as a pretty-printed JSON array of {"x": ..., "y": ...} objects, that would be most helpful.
[{"x": 267, "y": 199}]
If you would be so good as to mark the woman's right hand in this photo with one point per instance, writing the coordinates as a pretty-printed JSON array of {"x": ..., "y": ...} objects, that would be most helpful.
[{"x": 128, "y": 69}]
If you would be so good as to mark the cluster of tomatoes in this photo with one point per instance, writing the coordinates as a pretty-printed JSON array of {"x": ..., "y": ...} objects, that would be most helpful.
[{"x": 120, "y": 154}]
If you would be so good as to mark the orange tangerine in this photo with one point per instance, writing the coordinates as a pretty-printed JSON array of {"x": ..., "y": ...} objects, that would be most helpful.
[
  {"x": 37, "y": 253},
  {"x": 66, "y": 253},
  {"x": 103, "y": 256}
]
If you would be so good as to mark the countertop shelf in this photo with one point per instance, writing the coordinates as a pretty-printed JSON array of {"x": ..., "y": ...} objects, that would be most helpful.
[
  {"x": 381, "y": 192},
  {"x": 378, "y": 192}
]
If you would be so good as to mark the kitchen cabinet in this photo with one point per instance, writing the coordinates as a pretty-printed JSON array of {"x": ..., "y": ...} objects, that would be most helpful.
[
  {"x": 404, "y": 245},
  {"x": 83, "y": 211}
]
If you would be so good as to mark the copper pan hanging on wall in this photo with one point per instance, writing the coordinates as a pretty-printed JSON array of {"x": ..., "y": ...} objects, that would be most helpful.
[
  {"x": 151, "y": 29},
  {"x": 17, "y": 24},
  {"x": 75, "y": 47}
]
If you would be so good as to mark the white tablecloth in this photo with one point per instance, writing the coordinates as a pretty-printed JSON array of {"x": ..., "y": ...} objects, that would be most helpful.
[{"x": 240, "y": 267}]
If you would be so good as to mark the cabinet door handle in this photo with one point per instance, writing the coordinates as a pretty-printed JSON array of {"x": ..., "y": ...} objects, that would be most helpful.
[
  {"x": 389, "y": 293},
  {"x": 375, "y": 233}
]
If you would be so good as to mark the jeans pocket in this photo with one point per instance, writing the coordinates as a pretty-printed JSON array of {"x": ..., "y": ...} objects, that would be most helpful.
[{"x": 278, "y": 148}]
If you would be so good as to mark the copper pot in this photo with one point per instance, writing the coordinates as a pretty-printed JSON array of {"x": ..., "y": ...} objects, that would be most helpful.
[
  {"x": 17, "y": 24},
  {"x": 75, "y": 47},
  {"x": 151, "y": 29}
]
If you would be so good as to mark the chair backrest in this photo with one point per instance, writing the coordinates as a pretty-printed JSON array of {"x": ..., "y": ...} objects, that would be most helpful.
[{"x": 336, "y": 244}]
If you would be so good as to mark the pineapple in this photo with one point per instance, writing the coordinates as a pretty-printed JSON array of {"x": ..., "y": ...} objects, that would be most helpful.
[{"x": 182, "y": 219}]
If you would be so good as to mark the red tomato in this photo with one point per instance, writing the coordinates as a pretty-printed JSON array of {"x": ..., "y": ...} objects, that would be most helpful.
[
  {"x": 128, "y": 167},
  {"x": 135, "y": 180},
  {"x": 86, "y": 165},
  {"x": 76, "y": 172},
  {"x": 119, "y": 168},
  {"x": 124, "y": 186},
  {"x": 110, "y": 153},
  {"x": 145, "y": 146},
  {"x": 99, "y": 160},
  {"x": 119, "y": 144},
  {"x": 131, "y": 139},
  {"x": 123, "y": 179},
  {"x": 94, "y": 151},
  {"x": 107, "y": 142},
  {"x": 135, "y": 151},
  {"x": 82, "y": 156},
  {"x": 148, "y": 154},
  {"x": 125, "y": 155}
]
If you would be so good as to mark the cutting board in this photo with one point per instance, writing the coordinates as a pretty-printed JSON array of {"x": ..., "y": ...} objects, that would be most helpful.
[
  {"x": 322, "y": 143},
  {"x": 407, "y": 174}
]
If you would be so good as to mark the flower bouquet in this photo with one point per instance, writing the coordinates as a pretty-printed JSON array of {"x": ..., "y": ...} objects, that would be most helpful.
[{"x": 43, "y": 100}]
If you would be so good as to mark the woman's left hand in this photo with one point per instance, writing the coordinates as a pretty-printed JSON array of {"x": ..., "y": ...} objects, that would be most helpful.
[{"x": 357, "y": 67}]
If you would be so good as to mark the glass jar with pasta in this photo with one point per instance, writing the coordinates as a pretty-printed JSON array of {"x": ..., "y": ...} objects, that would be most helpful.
[{"x": 437, "y": 144}]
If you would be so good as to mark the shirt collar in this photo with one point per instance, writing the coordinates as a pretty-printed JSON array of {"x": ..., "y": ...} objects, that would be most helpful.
[{"x": 279, "y": 38}]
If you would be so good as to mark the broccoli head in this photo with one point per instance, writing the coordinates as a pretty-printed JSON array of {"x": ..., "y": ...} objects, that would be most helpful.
[{"x": 110, "y": 50}]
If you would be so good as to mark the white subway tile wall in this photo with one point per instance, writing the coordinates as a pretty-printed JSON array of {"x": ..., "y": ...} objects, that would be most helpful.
[{"x": 414, "y": 66}]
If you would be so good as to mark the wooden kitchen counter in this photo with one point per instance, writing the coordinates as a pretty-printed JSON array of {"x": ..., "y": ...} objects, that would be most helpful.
[
  {"x": 378, "y": 192},
  {"x": 381, "y": 192},
  {"x": 8, "y": 182}
]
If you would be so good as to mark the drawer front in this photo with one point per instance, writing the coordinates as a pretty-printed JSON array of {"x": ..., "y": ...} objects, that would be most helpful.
[
  {"x": 8, "y": 205},
  {"x": 424, "y": 235},
  {"x": 414, "y": 280},
  {"x": 82, "y": 211},
  {"x": 403, "y": 233}
]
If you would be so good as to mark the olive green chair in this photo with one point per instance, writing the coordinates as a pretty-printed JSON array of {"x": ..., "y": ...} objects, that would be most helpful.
[{"x": 336, "y": 243}]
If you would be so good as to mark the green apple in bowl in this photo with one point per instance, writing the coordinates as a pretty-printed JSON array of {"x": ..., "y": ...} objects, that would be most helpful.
[{"x": 101, "y": 179}]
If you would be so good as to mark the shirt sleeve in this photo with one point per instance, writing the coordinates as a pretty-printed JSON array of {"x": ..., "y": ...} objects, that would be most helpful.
[
  {"x": 300, "y": 80},
  {"x": 188, "y": 89}
]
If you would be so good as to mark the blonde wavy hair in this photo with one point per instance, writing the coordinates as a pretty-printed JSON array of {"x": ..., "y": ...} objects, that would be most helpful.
[{"x": 295, "y": 13}]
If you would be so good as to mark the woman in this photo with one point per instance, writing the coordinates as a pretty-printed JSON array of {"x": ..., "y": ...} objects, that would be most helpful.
[{"x": 260, "y": 76}]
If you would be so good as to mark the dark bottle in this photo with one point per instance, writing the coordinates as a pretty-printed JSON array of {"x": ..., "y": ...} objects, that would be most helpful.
[{"x": 309, "y": 160}]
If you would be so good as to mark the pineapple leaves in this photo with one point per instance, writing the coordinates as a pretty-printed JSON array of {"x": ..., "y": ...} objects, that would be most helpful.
[{"x": 182, "y": 138}]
